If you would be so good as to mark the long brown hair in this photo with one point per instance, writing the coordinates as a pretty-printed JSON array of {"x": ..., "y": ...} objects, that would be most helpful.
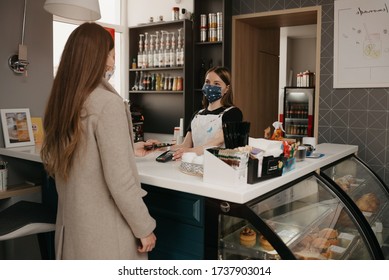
[
  {"x": 80, "y": 71},
  {"x": 225, "y": 76}
]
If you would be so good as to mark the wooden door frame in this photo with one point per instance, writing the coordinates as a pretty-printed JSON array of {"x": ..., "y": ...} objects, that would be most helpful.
[{"x": 278, "y": 19}]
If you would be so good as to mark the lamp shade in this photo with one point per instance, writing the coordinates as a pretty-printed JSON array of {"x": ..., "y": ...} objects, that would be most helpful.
[{"x": 86, "y": 10}]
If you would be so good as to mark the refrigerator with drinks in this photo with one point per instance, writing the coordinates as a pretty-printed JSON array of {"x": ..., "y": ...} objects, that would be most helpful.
[{"x": 298, "y": 115}]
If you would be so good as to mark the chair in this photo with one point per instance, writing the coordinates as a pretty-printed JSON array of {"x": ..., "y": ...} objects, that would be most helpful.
[{"x": 25, "y": 218}]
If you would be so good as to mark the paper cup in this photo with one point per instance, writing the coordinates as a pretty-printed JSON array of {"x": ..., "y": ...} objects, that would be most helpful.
[{"x": 310, "y": 141}]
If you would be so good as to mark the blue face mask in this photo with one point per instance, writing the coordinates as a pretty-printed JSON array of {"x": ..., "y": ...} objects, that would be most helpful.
[{"x": 212, "y": 93}]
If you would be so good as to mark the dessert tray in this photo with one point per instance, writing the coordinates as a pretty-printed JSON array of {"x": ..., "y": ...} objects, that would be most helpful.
[{"x": 292, "y": 227}]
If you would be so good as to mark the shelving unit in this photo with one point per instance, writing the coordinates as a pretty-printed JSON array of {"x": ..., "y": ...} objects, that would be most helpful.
[
  {"x": 18, "y": 190},
  {"x": 218, "y": 51},
  {"x": 162, "y": 109}
]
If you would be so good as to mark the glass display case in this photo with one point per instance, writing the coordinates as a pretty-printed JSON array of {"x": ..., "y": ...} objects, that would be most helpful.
[
  {"x": 368, "y": 193},
  {"x": 308, "y": 219}
]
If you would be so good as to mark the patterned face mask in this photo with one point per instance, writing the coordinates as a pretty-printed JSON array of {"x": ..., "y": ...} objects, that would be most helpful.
[{"x": 212, "y": 93}]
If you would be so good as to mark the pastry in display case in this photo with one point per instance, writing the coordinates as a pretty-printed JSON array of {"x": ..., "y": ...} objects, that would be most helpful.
[
  {"x": 367, "y": 191},
  {"x": 305, "y": 219}
]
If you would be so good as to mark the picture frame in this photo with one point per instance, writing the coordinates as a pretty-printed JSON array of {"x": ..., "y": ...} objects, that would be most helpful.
[
  {"x": 17, "y": 128},
  {"x": 361, "y": 44}
]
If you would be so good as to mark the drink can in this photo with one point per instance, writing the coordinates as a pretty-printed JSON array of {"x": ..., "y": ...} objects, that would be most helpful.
[
  {"x": 203, "y": 35},
  {"x": 212, "y": 23},
  {"x": 212, "y": 35},
  {"x": 219, "y": 19},
  {"x": 203, "y": 21},
  {"x": 219, "y": 34}
]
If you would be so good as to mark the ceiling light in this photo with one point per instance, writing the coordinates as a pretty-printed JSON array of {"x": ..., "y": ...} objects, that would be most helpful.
[{"x": 85, "y": 10}]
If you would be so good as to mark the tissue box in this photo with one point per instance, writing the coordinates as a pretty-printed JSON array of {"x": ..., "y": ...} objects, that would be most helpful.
[
  {"x": 271, "y": 167},
  {"x": 218, "y": 172}
]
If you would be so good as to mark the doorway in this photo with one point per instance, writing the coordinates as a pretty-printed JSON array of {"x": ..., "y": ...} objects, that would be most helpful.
[{"x": 255, "y": 63}]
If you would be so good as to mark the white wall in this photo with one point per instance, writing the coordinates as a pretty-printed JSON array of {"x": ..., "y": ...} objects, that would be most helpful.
[{"x": 140, "y": 11}]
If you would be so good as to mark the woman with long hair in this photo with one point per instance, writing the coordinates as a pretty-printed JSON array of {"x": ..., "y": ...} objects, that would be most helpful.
[{"x": 88, "y": 149}]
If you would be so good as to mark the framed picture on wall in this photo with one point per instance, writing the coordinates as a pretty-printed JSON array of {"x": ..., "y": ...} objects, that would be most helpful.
[
  {"x": 361, "y": 44},
  {"x": 17, "y": 128}
]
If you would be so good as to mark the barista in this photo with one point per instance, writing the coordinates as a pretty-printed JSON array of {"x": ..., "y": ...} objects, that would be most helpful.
[{"x": 206, "y": 130}]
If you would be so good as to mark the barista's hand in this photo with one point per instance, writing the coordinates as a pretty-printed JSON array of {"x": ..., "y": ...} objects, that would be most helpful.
[
  {"x": 147, "y": 243},
  {"x": 139, "y": 147},
  {"x": 179, "y": 152}
]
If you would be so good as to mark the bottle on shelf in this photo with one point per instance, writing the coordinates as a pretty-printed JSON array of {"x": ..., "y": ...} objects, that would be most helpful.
[
  {"x": 136, "y": 83},
  {"x": 167, "y": 50},
  {"x": 156, "y": 49},
  {"x": 173, "y": 51},
  {"x": 150, "y": 54},
  {"x": 158, "y": 82},
  {"x": 161, "y": 54},
  {"x": 140, "y": 51},
  {"x": 180, "y": 50},
  {"x": 146, "y": 51},
  {"x": 141, "y": 84},
  {"x": 162, "y": 82}
]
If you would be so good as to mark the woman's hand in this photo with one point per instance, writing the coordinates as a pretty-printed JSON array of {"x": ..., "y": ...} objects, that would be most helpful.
[
  {"x": 179, "y": 152},
  {"x": 147, "y": 243},
  {"x": 139, "y": 147}
]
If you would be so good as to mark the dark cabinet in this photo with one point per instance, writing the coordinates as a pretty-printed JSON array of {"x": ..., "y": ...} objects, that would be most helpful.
[
  {"x": 212, "y": 40},
  {"x": 164, "y": 104},
  {"x": 180, "y": 224}
]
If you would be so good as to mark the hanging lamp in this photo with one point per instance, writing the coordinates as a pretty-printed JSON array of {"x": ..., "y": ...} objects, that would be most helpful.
[{"x": 84, "y": 10}]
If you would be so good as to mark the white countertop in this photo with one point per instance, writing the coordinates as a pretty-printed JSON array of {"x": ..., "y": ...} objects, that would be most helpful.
[
  {"x": 168, "y": 176},
  {"x": 27, "y": 152}
]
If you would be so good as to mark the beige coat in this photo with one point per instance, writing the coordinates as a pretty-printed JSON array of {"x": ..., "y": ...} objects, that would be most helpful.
[{"x": 101, "y": 213}]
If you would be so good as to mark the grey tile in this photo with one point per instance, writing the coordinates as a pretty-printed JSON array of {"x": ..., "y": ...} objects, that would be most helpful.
[
  {"x": 339, "y": 135},
  {"x": 327, "y": 39},
  {"x": 325, "y": 101},
  {"x": 324, "y": 117},
  {"x": 324, "y": 134},
  {"x": 262, "y": 6},
  {"x": 308, "y": 3},
  {"x": 378, "y": 99},
  {"x": 292, "y": 4},
  {"x": 326, "y": 84},
  {"x": 339, "y": 118},
  {"x": 247, "y": 6},
  {"x": 375, "y": 149},
  {"x": 235, "y": 7},
  {"x": 377, "y": 119},
  {"x": 327, "y": 12},
  {"x": 358, "y": 99},
  {"x": 357, "y": 136},
  {"x": 277, "y": 5},
  {"x": 358, "y": 119},
  {"x": 327, "y": 65},
  {"x": 341, "y": 99}
]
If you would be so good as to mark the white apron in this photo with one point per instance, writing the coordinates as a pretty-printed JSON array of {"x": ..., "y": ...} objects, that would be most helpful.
[{"x": 205, "y": 127}]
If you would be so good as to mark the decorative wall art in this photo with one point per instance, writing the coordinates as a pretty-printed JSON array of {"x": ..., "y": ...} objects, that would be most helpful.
[{"x": 361, "y": 43}]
